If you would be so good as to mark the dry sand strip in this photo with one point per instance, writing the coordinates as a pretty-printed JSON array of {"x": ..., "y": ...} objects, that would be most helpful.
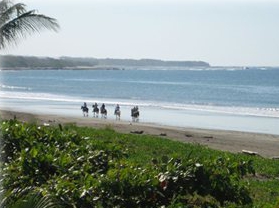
[{"x": 265, "y": 145}]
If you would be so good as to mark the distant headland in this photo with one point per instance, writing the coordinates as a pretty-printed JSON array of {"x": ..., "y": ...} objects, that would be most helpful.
[{"x": 33, "y": 62}]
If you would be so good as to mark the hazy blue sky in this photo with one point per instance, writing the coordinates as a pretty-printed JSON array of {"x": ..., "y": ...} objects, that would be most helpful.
[{"x": 220, "y": 32}]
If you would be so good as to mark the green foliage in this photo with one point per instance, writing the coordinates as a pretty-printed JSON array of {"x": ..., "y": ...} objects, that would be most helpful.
[{"x": 84, "y": 167}]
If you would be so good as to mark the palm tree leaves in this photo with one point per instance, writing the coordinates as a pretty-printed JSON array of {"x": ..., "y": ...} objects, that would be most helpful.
[
  {"x": 9, "y": 11},
  {"x": 16, "y": 22},
  {"x": 33, "y": 199}
]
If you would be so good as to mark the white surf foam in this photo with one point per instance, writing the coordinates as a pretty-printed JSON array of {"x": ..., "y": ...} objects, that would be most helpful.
[
  {"x": 15, "y": 87},
  {"x": 208, "y": 108}
]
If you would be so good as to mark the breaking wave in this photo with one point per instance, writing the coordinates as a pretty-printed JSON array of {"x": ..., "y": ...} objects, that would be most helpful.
[
  {"x": 209, "y": 108},
  {"x": 14, "y": 87}
]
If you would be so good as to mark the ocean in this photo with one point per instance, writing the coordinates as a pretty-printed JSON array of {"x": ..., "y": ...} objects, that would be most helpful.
[{"x": 226, "y": 98}]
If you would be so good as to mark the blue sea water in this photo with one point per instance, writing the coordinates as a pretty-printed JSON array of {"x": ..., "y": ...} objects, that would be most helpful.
[{"x": 220, "y": 98}]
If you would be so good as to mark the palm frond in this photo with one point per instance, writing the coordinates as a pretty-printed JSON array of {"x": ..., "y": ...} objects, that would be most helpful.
[
  {"x": 35, "y": 200},
  {"x": 17, "y": 23},
  {"x": 10, "y": 12},
  {"x": 28, "y": 198}
]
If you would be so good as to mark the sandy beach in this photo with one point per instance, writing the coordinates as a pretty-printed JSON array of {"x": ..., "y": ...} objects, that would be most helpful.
[{"x": 265, "y": 145}]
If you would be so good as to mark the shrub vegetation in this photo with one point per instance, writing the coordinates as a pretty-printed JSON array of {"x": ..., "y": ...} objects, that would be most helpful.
[{"x": 71, "y": 166}]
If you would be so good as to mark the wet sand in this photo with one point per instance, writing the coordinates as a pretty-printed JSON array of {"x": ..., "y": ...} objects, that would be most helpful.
[{"x": 265, "y": 145}]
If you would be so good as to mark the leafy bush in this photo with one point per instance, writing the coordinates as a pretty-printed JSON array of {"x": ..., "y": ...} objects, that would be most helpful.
[{"x": 96, "y": 171}]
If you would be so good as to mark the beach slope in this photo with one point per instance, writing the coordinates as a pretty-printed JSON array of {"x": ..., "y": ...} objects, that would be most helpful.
[{"x": 265, "y": 145}]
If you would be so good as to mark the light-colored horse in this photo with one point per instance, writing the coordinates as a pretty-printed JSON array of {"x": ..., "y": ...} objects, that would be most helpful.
[{"x": 117, "y": 114}]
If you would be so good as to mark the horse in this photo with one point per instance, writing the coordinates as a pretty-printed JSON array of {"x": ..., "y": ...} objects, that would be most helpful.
[
  {"x": 117, "y": 114},
  {"x": 135, "y": 114},
  {"x": 95, "y": 111},
  {"x": 104, "y": 112},
  {"x": 84, "y": 111}
]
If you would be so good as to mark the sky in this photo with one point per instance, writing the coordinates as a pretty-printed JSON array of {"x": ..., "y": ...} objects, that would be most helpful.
[{"x": 222, "y": 33}]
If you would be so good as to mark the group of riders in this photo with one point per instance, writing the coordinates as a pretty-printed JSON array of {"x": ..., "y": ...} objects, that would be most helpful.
[{"x": 117, "y": 112}]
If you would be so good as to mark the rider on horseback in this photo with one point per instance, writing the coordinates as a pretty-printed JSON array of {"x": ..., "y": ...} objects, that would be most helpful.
[
  {"x": 103, "y": 108},
  {"x": 135, "y": 113},
  {"x": 95, "y": 110},
  {"x": 95, "y": 106},
  {"x": 84, "y": 109},
  {"x": 117, "y": 109}
]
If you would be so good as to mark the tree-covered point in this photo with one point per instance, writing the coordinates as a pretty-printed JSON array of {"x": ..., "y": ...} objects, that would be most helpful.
[
  {"x": 32, "y": 62},
  {"x": 71, "y": 166},
  {"x": 14, "y": 62}
]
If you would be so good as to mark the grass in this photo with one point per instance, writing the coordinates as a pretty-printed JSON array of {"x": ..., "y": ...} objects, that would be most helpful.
[{"x": 264, "y": 187}]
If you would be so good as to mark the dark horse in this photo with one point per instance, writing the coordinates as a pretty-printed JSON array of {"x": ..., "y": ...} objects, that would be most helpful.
[
  {"x": 95, "y": 111},
  {"x": 84, "y": 110},
  {"x": 135, "y": 114},
  {"x": 104, "y": 112}
]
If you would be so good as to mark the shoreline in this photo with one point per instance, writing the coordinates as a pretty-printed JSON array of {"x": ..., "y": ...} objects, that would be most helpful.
[{"x": 266, "y": 145}]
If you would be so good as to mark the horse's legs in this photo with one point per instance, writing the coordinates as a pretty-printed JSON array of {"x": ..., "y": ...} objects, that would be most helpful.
[
  {"x": 104, "y": 115},
  {"x": 135, "y": 118}
]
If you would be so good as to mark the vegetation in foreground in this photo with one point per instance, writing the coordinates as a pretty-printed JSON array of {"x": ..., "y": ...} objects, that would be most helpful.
[{"x": 83, "y": 167}]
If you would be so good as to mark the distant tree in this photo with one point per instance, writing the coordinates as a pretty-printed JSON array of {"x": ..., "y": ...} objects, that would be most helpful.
[{"x": 16, "y": 22}]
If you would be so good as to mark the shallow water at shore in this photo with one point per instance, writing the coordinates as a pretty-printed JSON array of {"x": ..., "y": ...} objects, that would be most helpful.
[{"x": 161, "y": 116}]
